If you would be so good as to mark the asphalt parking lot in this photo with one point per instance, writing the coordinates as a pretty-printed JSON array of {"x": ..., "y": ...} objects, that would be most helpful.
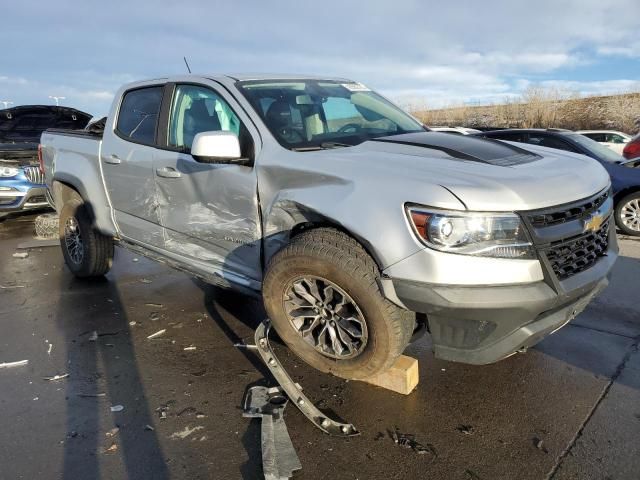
[{"x": 570, "y": 408}]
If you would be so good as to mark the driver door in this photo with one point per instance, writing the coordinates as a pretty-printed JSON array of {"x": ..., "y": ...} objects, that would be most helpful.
[{"x": 208, "y": 212}]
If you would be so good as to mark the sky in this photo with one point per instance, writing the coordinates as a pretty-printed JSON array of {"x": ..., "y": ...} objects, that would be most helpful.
[{"x": 418, "y": 53}]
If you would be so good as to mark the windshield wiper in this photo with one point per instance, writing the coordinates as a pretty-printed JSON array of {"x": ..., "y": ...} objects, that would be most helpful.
[
  {"x": 334, "y": 145},
  {"x": 321, "y": 146}
]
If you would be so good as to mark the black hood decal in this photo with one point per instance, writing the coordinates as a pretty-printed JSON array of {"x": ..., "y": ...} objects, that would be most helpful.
[{"x": 465, "y": 147}]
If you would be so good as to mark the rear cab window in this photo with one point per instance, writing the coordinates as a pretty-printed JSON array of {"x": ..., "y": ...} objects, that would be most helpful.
[{"x": 138, "y": 115}]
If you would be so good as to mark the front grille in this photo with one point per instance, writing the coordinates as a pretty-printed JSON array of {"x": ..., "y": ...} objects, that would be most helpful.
[
  {"x": 543, "y": 219},
  {"x": 572, "y": 256},
  {"x": 34, "y": 175}
]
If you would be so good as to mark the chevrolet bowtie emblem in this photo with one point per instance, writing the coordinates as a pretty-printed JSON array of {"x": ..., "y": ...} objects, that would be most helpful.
[{"x": 593, "y": 222}]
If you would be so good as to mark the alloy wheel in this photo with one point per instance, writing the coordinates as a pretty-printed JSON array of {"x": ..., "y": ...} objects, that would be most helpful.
[
  {"x": 73, "y": 240},
  {"x": 326, "y": 317},
  {"x": 630, "y": 214}
]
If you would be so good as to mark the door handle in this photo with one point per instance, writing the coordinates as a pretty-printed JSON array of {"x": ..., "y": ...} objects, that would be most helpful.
[
  {"x": 113, "y": 159},
  {"x": 168, "y": 172}
]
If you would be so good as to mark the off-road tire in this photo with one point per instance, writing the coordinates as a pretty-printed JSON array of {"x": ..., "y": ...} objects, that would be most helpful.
[
  {"x": 98, "y": 248},
  {"x": 333, "y": 255},
  {"x": 47, "y": 225}
]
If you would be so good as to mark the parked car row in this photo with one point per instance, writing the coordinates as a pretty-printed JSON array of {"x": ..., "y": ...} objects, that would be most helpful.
[
  {"x": 625, "y": 181},
  {"x": 21, "y": 180}
]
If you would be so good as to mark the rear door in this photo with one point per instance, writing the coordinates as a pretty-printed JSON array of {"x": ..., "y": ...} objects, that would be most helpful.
[
  {"x": 127, "y": 162},
  {"x": 209, "y": 212}
]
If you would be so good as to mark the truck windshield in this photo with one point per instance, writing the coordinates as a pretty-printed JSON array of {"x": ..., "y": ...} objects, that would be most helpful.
[{"x": 315, "y": 114}]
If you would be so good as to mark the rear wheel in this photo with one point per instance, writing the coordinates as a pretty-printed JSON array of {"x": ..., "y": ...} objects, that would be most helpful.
[
  {"x": 87, "y": 252},
  {"x": 628, "y": 214},
  {"x": 322, "y": 295}
]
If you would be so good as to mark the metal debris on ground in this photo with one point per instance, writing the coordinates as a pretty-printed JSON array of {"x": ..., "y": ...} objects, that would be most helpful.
[
  {"x": 56, "y": 378},
  {"x": 539, "y": 444},
  {"x": 112, "y": 433},
  {"x": 19, "y": 363},
  {"x": 112, "y": 449},
  {"x": 294, "y": 391},
  {"x": 154, "y": 316},
  {"x": 149, "y": 428},
  {"x": 182, "y": 434},
  {"x": 21, "y": 255},
  {"x": 145, "y": 280},
  {"x": 93, "y": 337},
  {"x": 408, "y": 440},
  {"x": 159, "y": 333},
  {"x": 91, "y": 395},
  {"x": 117, "y": 408},
  {"x": 9, "y": 287},
  {"x": 154, "y": 305},
  {"x": 189, "y": 349},
  {"x": 466, "y": 429},
  {"x": 244, "y": 345},
  {"x": 279, "y": 457},
  {"x": 49, "y": 349}
]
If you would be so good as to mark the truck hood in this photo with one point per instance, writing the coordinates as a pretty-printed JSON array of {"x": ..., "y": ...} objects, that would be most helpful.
[
  {"x": 25, "y": 123},
  {"x": 484, "y": 174}
]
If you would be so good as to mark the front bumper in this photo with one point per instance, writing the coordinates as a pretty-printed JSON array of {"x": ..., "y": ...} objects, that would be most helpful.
[
  {"x": 482, "y": 322},
  {"x": 481, "y": 325},
  {"x": 17, "y": 197}
]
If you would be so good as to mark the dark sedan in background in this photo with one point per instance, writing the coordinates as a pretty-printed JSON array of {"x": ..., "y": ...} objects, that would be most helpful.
[
  {"x": 625, "y": 174},
  {"x": 21, "y": 184}
]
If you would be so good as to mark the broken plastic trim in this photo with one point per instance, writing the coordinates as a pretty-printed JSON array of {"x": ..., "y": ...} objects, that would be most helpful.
[
  {"x": 279, "y": 457},
  {"x": 294, "y": 391}
]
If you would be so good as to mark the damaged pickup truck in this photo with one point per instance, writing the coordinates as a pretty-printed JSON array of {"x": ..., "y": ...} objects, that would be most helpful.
[
  {"x": 356, "y": 225},
  {"x": 21, "y": 182}
]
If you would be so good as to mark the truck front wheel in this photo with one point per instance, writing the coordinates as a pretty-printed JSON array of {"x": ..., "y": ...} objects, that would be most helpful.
[
  {"x": 87, "y": 252},
  {"x": 321, "y": 292}
]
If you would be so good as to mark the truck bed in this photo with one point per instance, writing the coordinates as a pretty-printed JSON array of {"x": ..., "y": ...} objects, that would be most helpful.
[{"x": 72, "y": 157}]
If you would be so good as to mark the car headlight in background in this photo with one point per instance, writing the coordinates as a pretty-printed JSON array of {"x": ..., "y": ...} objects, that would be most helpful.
[
  {"x": 500, "y": 235},
  {"x": 8, "y": 172}
]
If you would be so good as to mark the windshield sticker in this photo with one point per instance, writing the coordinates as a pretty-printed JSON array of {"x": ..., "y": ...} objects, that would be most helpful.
[{"x": 356, "y": 87}]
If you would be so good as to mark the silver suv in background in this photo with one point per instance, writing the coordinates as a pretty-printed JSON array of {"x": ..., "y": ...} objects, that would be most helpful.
[{"x": 354, "y": 223}]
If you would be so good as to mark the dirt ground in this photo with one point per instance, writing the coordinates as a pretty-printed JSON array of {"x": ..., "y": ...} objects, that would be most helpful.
[{"x": 567, "y": 409}]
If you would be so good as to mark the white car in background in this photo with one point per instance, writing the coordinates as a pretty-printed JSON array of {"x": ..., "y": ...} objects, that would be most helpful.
[
  {"x": 455, "y": 130},
  {"x": 611, "y": 138}
]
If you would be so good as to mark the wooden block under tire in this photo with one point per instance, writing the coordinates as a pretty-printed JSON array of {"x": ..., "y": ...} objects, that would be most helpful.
[{"x": 401, "y": 378}]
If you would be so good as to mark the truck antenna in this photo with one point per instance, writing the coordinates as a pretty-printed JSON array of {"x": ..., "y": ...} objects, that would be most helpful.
[{"x": 187, "y": 64}]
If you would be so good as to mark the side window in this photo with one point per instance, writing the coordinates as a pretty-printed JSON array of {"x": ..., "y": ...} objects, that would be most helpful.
[
  {"x": 195, "y": 110},
  {"x": 598, "y": 137},
  {"x": 613, "y": 138},
  {"x": 550, "y": 142},
  {"x": 509, "y": 136},
  {"x": 138, "y": 116}
]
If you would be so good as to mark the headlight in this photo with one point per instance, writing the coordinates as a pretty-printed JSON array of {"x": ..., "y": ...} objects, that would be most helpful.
[
  {"x": 500, "y": 235},
  {"x": 8, "y": 171}
]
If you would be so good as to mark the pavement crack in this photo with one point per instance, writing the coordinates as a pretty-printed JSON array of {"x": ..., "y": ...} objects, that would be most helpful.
[
  {"x": 630, "y": 337},
  {"x": 632, "y": 349}
]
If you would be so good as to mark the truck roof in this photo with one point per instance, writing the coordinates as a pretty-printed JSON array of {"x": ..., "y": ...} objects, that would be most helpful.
[{"x": 240, "y": 77}]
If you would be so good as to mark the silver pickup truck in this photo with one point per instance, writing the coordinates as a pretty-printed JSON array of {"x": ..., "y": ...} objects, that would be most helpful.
[{"x": 356, "y": 225}]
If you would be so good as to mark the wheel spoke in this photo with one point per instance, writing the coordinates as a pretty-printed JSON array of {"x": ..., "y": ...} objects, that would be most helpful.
[{"x": 299, "y": 289}]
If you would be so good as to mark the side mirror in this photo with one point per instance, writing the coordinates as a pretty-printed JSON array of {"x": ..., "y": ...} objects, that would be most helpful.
[{"x": 217, "y": 147}]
